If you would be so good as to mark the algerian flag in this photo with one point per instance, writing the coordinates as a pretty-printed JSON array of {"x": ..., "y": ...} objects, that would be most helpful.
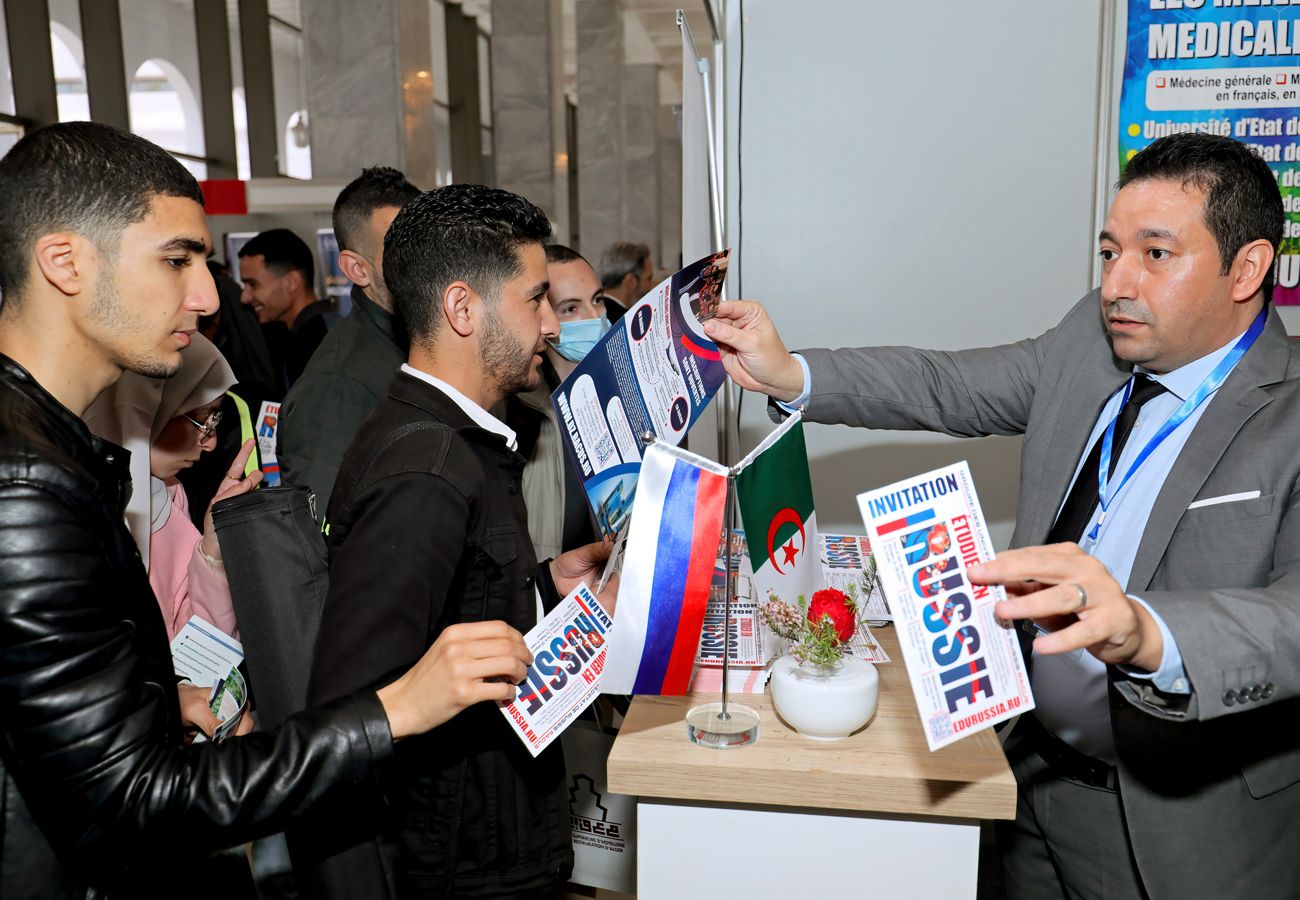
[{"x": 775, "y": 495}]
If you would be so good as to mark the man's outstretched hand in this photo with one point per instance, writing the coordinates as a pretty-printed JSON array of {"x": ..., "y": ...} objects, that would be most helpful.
[
  {"x": 1043, "y": 584},
  {"x": 752, "y": 352}
]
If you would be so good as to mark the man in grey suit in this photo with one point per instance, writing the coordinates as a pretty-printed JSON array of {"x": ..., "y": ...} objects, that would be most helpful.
[{"x": 1157, "y": 572}]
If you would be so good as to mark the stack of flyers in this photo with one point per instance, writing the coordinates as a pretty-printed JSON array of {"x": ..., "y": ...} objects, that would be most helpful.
[
  {"x": 865, "y": 647},
  {"x": 747, "y": 641},
  {"x": 568, "y": 649},
  {"x": 751, "y": 646},
  {"x": 227, "y": 701},
  {"x": 744, "y": 643},
  {"x": 847, "y": 561},
  {"x": 965, "y": 666},
  {"x": 740, "y": 679}
]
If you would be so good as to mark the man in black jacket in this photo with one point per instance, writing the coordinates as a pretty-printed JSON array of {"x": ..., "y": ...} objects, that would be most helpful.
[
  {"x": 428, "y": 507},
  {"x": 349, "y": 373},
  {"x": 102, "y": 243}
]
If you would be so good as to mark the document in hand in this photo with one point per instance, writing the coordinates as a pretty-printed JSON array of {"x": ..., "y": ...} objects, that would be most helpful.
[
  {"x": 203, "y": 653},
  {"x": 966, "y": 668},
  {"x": 228, "y": 700},
  {"x": 568, "y": 657},
  {"x": 653, "y": 372}
]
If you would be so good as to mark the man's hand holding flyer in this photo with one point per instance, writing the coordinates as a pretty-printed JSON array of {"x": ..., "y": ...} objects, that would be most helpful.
[
  {"x": 568, "y": 656},
  {"x": 966, "y": 669}
]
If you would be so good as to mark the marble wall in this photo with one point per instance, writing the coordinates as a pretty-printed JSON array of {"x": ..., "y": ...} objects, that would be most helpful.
[
  {"x": 640, "y": 155},
  {"x": 528, "y": 136},
  {"x": 370, "y": 88},
  {"x": 670, "y": 190},
  {"x": 601, "y": 72},
  {"x": 414, "y": 68}
]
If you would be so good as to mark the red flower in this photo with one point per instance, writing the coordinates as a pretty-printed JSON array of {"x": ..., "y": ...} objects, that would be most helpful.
[{"x": 833, "y": 603}]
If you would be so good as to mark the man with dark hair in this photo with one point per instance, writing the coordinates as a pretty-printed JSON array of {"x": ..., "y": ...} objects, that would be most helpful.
[
  {"x": 102, "y": 244},
  {"x": 349, "y": 372},
  {"x": 558, "y": 515},
  {"x": 427, "y": 508},
  {"x": 626, "y": 275},
  {"x": 1159, "y": 468},
  {"x": 279, "y": 277}
]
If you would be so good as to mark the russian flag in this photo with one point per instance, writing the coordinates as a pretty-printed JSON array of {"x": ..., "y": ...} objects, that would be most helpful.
[{"x": 672, "y": 546}]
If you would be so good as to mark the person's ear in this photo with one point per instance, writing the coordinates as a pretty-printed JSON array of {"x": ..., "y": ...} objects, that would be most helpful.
[
  {"x": 1252, "y": 263},
  {"x": 459, "y": 307},
  {"x": 630, "y": 281},
  {"x": 64, "y": 261},
  {"x": 356, "y": 268},
  {"x": 294, "y": 282}
]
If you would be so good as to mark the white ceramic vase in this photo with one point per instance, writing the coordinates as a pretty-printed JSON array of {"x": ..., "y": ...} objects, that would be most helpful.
[{"x": 825, "y": 703}]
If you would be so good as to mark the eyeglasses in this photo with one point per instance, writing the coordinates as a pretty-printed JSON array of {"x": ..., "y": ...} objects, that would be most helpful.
[{"x": 207, "y": 428}]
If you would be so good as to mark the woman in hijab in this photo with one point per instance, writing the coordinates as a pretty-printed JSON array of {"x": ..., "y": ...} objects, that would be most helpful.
[{"x": 166, "y": 424}]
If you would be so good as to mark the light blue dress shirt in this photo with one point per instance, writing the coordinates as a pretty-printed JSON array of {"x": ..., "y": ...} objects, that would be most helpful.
[{"x": 1070, "y": 690}]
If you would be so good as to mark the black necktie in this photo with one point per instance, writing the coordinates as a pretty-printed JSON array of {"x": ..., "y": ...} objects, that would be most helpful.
[{"x": 1082, "y": 502}]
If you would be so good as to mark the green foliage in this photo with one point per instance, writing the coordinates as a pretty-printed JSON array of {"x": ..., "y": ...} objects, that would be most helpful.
[
  {"x": 813, "y": 643},
  {"x": 820, "y": 645}
]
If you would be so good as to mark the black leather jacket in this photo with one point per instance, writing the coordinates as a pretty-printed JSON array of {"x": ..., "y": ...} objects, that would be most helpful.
[{"x": 96, "y": 788}]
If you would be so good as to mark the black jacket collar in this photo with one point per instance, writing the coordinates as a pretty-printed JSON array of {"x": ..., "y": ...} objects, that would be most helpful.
[
  {"x": 36, "y": 430},
  {"x": 406, "y": 388},
  {"x": 371, "y": 314}
]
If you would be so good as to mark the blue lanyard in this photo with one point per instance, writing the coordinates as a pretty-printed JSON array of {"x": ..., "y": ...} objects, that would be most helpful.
[{"x": 1207, "y": 387}]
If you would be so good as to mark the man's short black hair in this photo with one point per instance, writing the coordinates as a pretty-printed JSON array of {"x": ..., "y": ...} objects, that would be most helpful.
[
  {"x": 1242, "y": 201},
  {"x": 283, "y": 251},
  {"x": 558, "y": 253},
  {"x": 619, "y": 260},
  {"x": 81, "y": 177},
  {"x": 375, "y": 188},
  {"x": 461, "y": 232}
]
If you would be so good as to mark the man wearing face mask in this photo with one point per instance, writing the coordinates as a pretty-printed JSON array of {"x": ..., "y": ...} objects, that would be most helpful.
[{"x": 558, "y": 516}]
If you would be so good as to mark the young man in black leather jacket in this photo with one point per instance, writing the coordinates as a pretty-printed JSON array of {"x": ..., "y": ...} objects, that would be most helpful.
[{"x": 102, "y": 243}]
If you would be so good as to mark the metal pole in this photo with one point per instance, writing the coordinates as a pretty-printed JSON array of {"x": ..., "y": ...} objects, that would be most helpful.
[
  {"x": 715, "y": 193},
  {"x": 730, "y": 520},
  {"x": 715, "y": 220}
]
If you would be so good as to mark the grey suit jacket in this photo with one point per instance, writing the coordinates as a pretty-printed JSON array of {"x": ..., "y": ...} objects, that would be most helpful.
[{"x": 1211, "y": 782}]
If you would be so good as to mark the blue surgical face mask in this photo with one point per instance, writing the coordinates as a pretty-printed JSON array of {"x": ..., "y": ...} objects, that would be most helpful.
[{"x": 578, "y": 337}]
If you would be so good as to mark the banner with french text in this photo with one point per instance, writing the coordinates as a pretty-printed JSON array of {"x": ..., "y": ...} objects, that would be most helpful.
[{"x": 1227, "y": 68}]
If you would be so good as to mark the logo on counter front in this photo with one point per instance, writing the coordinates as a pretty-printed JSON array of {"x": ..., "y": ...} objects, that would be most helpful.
[{"x": 590, "y": 818}]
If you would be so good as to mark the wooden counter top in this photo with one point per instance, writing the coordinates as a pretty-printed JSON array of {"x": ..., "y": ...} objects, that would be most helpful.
[{"x": 885, "y": 767}]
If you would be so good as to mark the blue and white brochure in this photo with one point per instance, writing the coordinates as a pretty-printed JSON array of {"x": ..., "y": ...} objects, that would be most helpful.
[{"x": 652, "y": 373}]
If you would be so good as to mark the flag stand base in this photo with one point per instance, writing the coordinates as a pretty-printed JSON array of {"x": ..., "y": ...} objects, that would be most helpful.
[{"x": 706, "y": 726}]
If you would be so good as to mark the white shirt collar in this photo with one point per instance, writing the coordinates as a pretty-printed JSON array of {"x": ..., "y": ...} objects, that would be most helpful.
[{"x": 481, "y": 416}]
